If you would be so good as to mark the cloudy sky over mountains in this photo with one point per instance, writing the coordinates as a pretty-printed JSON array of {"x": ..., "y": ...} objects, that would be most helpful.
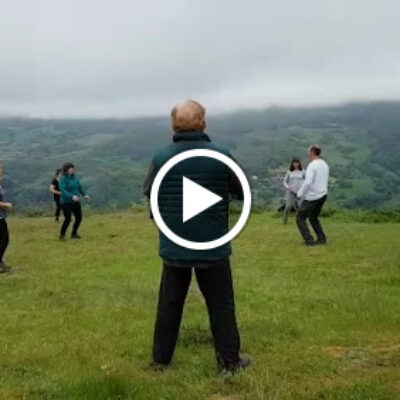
[{"x": 127, "y": 57}]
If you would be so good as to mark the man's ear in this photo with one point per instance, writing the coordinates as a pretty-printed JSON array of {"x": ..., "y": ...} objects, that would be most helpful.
[{"x": 204, "y": 125}]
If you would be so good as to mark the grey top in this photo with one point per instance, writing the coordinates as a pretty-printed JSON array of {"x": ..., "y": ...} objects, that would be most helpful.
[
  {"x": 294, "y": 180},
  {"x": 3, "y": 212}
]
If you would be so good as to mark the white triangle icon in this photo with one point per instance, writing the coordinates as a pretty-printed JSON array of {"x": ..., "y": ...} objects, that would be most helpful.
[{"x": 196, "y": 199}]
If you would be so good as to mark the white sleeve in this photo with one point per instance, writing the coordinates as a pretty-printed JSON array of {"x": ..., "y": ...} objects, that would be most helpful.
[
  {"x": 286, "y": 180},
  {"x": 310, "y": 176}
]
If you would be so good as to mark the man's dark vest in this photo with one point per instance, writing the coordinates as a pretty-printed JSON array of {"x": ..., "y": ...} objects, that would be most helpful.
[{"x": 209, "y": 224}]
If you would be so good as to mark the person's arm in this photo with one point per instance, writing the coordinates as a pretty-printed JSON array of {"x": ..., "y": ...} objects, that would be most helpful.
[
  {"x": 286, "y": 180},
  {"x": 52, "y": 189},
  {"x": 148, "y": 182},
  {"x": 310, "y": 176},
  {"x": 234, "y": 186},
  {"x": 6, "y": 205}
]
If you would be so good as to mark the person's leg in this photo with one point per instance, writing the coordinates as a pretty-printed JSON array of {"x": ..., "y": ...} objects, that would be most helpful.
[
  {"x": 302, "y": 215},
  {"x": 77, "y": 210},
  {"x": 67, "y": 219},
  {"x": 58, "y": 208},
  {"x": 174, "y": 285},
  {"x": 296, "y": 203},
  {"x": 4, "y": 238},
  {"x": 314, "y": 220},
  {"x": 216, "y": 286},
  {"x": 288, "y": 207}
]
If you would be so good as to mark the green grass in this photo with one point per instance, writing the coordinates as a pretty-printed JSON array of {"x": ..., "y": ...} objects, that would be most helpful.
[{"x": 76, "y": 318}]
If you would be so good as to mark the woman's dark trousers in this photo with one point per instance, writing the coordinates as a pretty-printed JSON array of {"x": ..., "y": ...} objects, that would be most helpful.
[
  {"x": 215, "y": 283},
  {"x": 68, "y": 210},
  {"x": 57, "y": 201},
  {"x": 4, "y": 237}
]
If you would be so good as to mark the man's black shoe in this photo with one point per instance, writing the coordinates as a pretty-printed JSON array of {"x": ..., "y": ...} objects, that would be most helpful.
[
  {"x": 62, "y": 238},
  {"x": 229, "y": 370},
  {"x": 309, "y": 243},
  {"x": 158, "y": 367},
  {"x": 7, "y": 267},
  {"x": 320, "y": 242},
  {"x": 3, "y": 268},
  {"x": 76, "y": 236}
]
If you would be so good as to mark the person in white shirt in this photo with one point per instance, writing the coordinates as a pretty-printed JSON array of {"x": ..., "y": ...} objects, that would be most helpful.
[
  {"x": 293, "y": 180},
  {"x": 313, "y": 194}
]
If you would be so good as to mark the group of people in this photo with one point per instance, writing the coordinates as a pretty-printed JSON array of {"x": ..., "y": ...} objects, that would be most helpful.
[
  {"x": 306, "y": 191},
  {"x": 67, "y": 193}
]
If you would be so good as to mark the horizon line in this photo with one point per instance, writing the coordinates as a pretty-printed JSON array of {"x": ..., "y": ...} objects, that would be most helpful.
[{"x": 217, "y": 113}]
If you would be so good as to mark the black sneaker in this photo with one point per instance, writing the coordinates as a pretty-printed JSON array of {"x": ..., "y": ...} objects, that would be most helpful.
[
  {"x": 3, "y": 268},
  {"x": 308, "y": 244},
  {"x": 232, "y": 369},
  {"x": 158, "y": 367},
  {"x": 7, "y": 267},
  {"x": 62, "y": 238},
  {"x": 76, "y": 236},
  {"x": 320, "y": 242}
]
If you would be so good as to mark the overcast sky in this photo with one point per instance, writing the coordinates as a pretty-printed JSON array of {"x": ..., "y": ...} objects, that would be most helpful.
[{"x": 128, "y": 57}]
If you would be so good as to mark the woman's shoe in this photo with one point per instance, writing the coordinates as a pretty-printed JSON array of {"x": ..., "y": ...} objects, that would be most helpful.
[
  {"x": 3, "y": 268},
  {"x": 76, "y": 236}
]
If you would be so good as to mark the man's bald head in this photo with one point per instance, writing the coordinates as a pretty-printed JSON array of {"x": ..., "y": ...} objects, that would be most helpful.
[{"x": 188, "y": 116}]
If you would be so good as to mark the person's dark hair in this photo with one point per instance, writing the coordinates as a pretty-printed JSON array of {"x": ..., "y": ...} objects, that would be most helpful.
[
  {"x": 67, "y": 166},
  {"x": 315, "y": 149},
  {"x": 58, "y": 170},
  {"x": 295, "y": 160}
]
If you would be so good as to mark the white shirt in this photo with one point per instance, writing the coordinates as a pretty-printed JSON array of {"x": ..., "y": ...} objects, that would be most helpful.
[{"x": 315, "y": 185}]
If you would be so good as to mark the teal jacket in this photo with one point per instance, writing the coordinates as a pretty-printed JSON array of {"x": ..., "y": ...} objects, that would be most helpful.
[
  {"x": 69, "y": 187},
  {"x": 211, "y": 223}
]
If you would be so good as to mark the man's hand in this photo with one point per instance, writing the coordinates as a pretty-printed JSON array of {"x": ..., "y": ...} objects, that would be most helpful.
[
  {"x": 75, "y": 198},
  {"x": 87, "y": 197},
  {"x": 8, "y": 206}
]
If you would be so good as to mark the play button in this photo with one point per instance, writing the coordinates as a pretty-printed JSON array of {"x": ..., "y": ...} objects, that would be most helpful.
[{"x": 196, "y": 199}]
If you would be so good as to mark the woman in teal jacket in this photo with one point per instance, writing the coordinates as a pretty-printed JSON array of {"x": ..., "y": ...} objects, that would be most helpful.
[{"x": 71, "y": 192}]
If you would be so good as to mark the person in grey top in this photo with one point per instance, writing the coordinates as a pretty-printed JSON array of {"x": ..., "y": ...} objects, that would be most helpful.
[
  {"x": 4, "y": 235},
  {"x": 293, "y": 181}
]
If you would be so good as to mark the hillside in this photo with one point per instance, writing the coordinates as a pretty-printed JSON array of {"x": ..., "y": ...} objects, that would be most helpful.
[
  {"x": 360, "y": 141},
  {"x": 77, "y": 317}
]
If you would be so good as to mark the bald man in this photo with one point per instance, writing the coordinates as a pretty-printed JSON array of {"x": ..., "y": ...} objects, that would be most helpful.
[{"x": 212, "y": 267}]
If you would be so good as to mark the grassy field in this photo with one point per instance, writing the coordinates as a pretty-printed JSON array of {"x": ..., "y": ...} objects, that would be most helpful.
[{"x": 76, "y": 318}]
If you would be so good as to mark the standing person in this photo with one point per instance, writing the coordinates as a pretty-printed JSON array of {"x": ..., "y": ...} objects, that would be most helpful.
[
  {"x": 212, "y": 267},
  {"x": 313, "y": 192},
  {"x": 55, "y": 189},
  {"x": 4, "y": 234},
  {"x": 293, "y": 180},
  {"x": 71, "y": 190}
]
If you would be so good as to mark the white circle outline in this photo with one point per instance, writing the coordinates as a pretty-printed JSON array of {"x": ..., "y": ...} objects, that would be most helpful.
[{"x": 241, "y": 222}]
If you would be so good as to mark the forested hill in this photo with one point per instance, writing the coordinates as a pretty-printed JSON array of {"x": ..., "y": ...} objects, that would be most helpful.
[{"x": 361, "y": 142}]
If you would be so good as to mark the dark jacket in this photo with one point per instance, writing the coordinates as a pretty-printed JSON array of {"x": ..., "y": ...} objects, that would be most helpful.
[
  {"x": 69, "y": 187},
  {"x": 211, "y": 223}
]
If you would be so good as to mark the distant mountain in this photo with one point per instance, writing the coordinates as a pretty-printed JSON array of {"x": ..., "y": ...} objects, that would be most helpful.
[{"x": 361, "y": 142}]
